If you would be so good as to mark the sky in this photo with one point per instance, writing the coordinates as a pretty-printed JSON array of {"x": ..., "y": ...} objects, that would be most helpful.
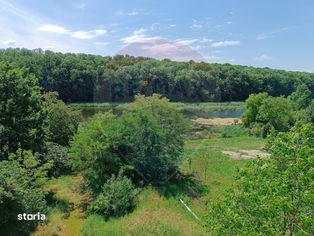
[{"x": 269, "y": 33}]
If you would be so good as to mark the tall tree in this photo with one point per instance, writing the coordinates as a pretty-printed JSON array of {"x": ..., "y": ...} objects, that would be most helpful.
[
  {"x": 22, "y": 117},
  {"x": 302, "y": 97}
]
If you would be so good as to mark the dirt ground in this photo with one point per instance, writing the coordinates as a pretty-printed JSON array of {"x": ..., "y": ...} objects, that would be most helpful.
[
  {"x": 246, "y": 154},
  {"x": 216, "y": 121}
]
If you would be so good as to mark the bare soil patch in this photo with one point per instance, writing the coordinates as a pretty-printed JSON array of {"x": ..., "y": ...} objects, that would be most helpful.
[
  {"x": 204, "y": 122},
  {"x": 246, "y": 154}
]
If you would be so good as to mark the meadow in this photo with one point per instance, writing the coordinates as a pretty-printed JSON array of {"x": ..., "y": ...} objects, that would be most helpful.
[{"x": 205, "y": 174}]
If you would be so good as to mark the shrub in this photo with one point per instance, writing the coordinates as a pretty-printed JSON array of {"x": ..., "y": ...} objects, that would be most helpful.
[
  {"x": 117, "y": 198},
  {"x": 58, "y": 155}
]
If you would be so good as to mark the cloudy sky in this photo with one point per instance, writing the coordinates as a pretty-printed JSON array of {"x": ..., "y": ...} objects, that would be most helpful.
[{"x": 277, "y": 34}]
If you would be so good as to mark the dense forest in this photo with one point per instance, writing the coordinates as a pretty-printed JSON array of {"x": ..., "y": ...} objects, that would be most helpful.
[{"x": 91, "y": 78}]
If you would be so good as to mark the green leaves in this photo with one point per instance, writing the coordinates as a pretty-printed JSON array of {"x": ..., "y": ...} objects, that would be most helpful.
[
  {"x": 272, "y": 196},
  {"x": 148, "y": 137},
  {"x": 117, "y": 198},
  {"x": 22, "y": 117},
  {"x": 63, "y": 121},
  {"x": 264, "y": 113}
]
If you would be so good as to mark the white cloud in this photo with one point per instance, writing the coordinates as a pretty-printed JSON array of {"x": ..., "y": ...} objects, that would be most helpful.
[
  {"x": 263, "y": 57},
  {"x": 225, "y": 43},
  {"x": 270, "y": 34},
  {"x": 102, "y": 43},
  {"x": 172, "y": 25},
  {"x": 10, "y": 42},
  {"x": 80, "y": 34},
  {"x": 53, "y": 29},
  {"x": 138, "y": 36},
  {"x": 186, "y": 42},
  {"x": 134, "y": 12},
  {"x": 88, "y": 34},
  {"x": 197, "y": 26}
]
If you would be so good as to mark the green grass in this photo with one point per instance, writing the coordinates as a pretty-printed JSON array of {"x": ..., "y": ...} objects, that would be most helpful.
[
  {"x": 66, "y": 216},
  {"x": 154, "y": 215},
  {"x": 207, "y": 173},
  {"x": 211, "y": 107}
]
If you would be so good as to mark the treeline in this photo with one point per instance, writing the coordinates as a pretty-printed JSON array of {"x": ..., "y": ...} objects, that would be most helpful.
[{"x": 91, "y": 78}]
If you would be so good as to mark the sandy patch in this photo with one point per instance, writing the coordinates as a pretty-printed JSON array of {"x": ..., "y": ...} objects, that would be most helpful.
[
  {"x": 216, "y": 121},
  {"x": 246, "y": 154}
]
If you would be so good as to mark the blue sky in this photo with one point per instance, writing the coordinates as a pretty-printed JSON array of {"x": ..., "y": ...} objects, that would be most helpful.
[{"x": 276, "y": 34}]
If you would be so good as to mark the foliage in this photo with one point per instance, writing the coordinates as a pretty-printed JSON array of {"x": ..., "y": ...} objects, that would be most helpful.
[
  {"x": 88, "y": 78},
  {"x": 302, "y": 97},
  {"x": 21, "y": 180},
  {"x": 63, "y": 121},
  {"x": 22, "y": 117},
  {"x": 31, "y": 166},
  {"x": 58, "y": 156},
  {"x": 147, "y": 138},
  {"x": 252, "y": 107},
  {"x": 117, "y": 198},
  {"x": 307, "y": 115},
  {"x": 92, "y": 152},
  {"x": 277, "y": 113},
  {"x": 264, "y": 113},
  {"x": 272, "y": 196}
]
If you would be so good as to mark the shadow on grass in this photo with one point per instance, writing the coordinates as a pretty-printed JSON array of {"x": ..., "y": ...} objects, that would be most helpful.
[
  {"x": 59, "y": 204},
  {"x": 183, "y": 184}
]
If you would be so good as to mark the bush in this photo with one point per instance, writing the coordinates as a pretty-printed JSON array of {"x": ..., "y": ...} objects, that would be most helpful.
[
  {"x": 58, "y": 155},
  {"x": 233, "y": 131},
  {"x": 118, "y": 197}
]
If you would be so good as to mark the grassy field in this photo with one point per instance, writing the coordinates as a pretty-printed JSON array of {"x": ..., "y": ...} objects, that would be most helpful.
[{"x": 206, "y": 174}]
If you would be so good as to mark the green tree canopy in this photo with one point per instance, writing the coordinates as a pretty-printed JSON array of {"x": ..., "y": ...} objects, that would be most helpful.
[
  {"x": 252, "y": 107},
  {"x": 147, "y": 138},
  {"x": 63, "y": 120},
  {"x": 22, "y": 117},
  {"x": 302, "y": 97},
  {"x": 277, "y": 113}
]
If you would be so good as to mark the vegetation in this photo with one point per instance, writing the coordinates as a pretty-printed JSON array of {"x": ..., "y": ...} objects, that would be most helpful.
[
  {"x": 134, "y": 163},
  {"x": 275, "y": 195},
  {"x": 88, "y": 78},
  {"x": 22, "y": 117},
  {"x": 118, "y": 197},
  {"x": 21, "y": 179},
  {"x": 265, "y": 113},
  {"x": 148, "y": 139},
  {"x": 63, "y": 121}
]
